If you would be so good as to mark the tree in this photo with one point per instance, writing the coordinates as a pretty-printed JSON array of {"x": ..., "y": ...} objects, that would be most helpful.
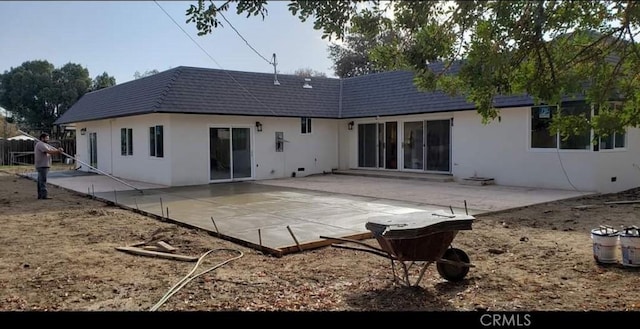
[
  {"x": 37, "y": 93},
  {"x": 137, "y": 75},
  {"x": 546, "y": 49},
  {"x": 354, "y": 56},
  {"x": 103, "y": 81},
  {"x": 308, "y": 73}
]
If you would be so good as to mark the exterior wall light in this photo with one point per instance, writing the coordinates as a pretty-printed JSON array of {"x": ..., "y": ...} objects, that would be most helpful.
[
  {"x": 258, "y": 126},
  {"x": 350, "y": 125},
  {"x": 83, "y": 131}
]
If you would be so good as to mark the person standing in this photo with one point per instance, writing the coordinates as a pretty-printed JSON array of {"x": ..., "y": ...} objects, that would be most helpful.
[{"x": 42, "y": 153}]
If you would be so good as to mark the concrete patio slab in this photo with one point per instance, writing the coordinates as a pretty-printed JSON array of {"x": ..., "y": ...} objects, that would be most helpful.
[{"x": 286, "y": 215}]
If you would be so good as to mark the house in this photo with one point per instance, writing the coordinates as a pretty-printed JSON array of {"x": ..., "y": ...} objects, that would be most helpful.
[
  {"x": 188, "y": 126},
  {"x": 19, "y": 138}
]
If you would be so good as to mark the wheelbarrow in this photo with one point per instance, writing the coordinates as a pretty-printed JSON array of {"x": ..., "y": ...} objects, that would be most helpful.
[{"x": 418, "y": 239}]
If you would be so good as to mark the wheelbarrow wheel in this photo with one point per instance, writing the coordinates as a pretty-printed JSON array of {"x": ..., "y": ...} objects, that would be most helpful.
[{"x": 451, "y": 272}]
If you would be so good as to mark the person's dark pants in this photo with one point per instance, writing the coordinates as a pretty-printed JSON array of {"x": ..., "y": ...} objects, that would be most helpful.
[{"x": 42, "y": 182}]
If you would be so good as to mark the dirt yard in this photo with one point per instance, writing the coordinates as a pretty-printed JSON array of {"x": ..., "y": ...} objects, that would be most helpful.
[{"x": 60, "y": 255}]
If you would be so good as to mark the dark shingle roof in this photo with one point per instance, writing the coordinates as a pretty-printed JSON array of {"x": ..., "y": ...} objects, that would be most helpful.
[
  {"x": 393, "y": 93},
  {"x": 210, "y": 91}
]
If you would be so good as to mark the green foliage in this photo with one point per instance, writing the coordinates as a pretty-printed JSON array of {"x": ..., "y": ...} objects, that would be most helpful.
[
  {"x": 549, "y": 50},
  {"x": 103, "y": 81},
  {"x": 308, "y": 72},
  {"x": 570, "y": 125},
  {"x": 367, "y": 41},
  {"x": 138, "y": 75},
  {"x": 37, "y": 93}
]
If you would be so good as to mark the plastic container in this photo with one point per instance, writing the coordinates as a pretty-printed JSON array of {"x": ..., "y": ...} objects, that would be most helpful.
[
  {"x": 630, "y": 246},
  {"x": 605, "y": 241}
]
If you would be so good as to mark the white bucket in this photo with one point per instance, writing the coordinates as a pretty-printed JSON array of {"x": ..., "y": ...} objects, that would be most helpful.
[
  {"x": 605, "y": 241},
  {"x": 630, "y": 247}
]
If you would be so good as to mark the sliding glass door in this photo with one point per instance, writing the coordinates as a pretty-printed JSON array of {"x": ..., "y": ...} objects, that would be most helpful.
[
  {"x": 229, "y": 153},
  {"x": 377, "y": 145},
  {"x": 438, "y": 145}
]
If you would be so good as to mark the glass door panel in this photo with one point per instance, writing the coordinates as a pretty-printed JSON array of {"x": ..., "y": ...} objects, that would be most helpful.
[{"x": 413, "y": 145}]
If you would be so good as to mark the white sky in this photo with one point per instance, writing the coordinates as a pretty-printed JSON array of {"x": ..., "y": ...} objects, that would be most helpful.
[{"x": 122, "y": 37}]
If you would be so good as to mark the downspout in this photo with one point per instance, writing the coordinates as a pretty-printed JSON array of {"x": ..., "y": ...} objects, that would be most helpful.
[
  {"x": 339, "y": 148},
  {"x": 111, "y": 143}
]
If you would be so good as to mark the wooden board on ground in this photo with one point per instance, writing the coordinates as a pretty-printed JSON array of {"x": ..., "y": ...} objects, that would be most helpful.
[
  {"x": 150, "y": 253},
  {"x": 165, "y": 246},
  {"x": 623, "y": 202}
]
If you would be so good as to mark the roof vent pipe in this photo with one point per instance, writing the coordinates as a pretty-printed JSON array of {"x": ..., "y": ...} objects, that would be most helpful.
[
  {"x": 275, "y": 71},
  {"x": 306, "y": 83}
]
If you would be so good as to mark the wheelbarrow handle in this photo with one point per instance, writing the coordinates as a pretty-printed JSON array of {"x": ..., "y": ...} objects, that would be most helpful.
[{"x": 356, "y": 242}]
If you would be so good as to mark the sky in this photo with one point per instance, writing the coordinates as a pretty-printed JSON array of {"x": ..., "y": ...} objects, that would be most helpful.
[{"x": 122, "y": 37}]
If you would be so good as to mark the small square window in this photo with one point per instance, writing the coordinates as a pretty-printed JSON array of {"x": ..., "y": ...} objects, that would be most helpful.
[
  {"x": 305, "y": 125},
  {"x": 126, "y": 141},
  {"x": 156, "y": 137}
]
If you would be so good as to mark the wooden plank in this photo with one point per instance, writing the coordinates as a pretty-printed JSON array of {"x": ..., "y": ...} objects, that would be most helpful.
[
  {"x": 150, "y": 253},
  {"x": 165, "y": 246},
  {"x": 322, "y": 243},
  {"x": 138, "y": 244},
  {"x": 153, "y": 248},
  {"x": 622, "y": 202}
]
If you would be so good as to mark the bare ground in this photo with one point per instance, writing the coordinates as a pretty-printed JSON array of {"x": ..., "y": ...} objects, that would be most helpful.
[{"x": 60, "y": 255}]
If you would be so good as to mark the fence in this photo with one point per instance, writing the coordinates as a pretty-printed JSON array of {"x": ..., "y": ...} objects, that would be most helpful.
[{"x": 16, "y": 152}]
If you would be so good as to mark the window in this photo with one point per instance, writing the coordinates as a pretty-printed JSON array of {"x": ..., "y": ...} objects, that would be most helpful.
[
  {"x": 582, "y": 141},
  {"x": 541, "y": 136},
  {"x": 305, "y": 125},
  {"x": 614, "y": 140},
  {"x": 126, "y": 141},
  {"x": 156, "y": 141}
]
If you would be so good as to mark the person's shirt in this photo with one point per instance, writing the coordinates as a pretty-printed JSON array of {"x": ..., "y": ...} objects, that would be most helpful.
[{"x": 42, "y": 158}]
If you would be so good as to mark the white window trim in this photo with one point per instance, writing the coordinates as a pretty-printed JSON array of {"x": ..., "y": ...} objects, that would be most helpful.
[
  {"x": 616, "y": 149},
  {"x": 558, "y": 141},
  {"x": 129, "y": 147},
  {"x": 309, "y": 123},
  {"x": 164, "y": 154}
]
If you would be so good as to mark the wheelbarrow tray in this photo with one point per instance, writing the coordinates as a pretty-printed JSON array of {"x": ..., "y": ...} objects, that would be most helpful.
[{"x": 419, "y": 236}]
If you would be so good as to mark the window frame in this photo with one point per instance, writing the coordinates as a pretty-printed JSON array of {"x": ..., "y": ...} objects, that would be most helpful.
[
  {"x": 553, "y": 110},
  {"x": 614, "y": 138},
  {"x": 156, "y": 141},
  {"x": 558, "y": 140},
  {"x": 126, "y": 141},
  {"x": 305, "y": 125}
]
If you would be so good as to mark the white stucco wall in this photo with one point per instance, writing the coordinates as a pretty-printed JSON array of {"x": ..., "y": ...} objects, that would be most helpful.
[
  {"x": 346, "y": 144},
  {"x": 103, "y": 133},
  {"x": 315, "y": 152},
  {"x": 140, "y": 166},
  {"x": 500, "y": 150},
  {"x": 623, "y": 165},
  {"x": 186, "y": 147}
]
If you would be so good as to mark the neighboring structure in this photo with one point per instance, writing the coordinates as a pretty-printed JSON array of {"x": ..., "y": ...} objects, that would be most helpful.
[
  {"x": 19, "y": 138},
  {"x": 188, "y": 126}
]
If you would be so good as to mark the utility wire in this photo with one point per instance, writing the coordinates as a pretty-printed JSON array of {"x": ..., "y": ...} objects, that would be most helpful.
[
  {"x": 211, "y": 57},
  {"x": 243, "y": 39},
  {"x": 185, "y": 32},
  {"x": 565, "y": 171}
]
